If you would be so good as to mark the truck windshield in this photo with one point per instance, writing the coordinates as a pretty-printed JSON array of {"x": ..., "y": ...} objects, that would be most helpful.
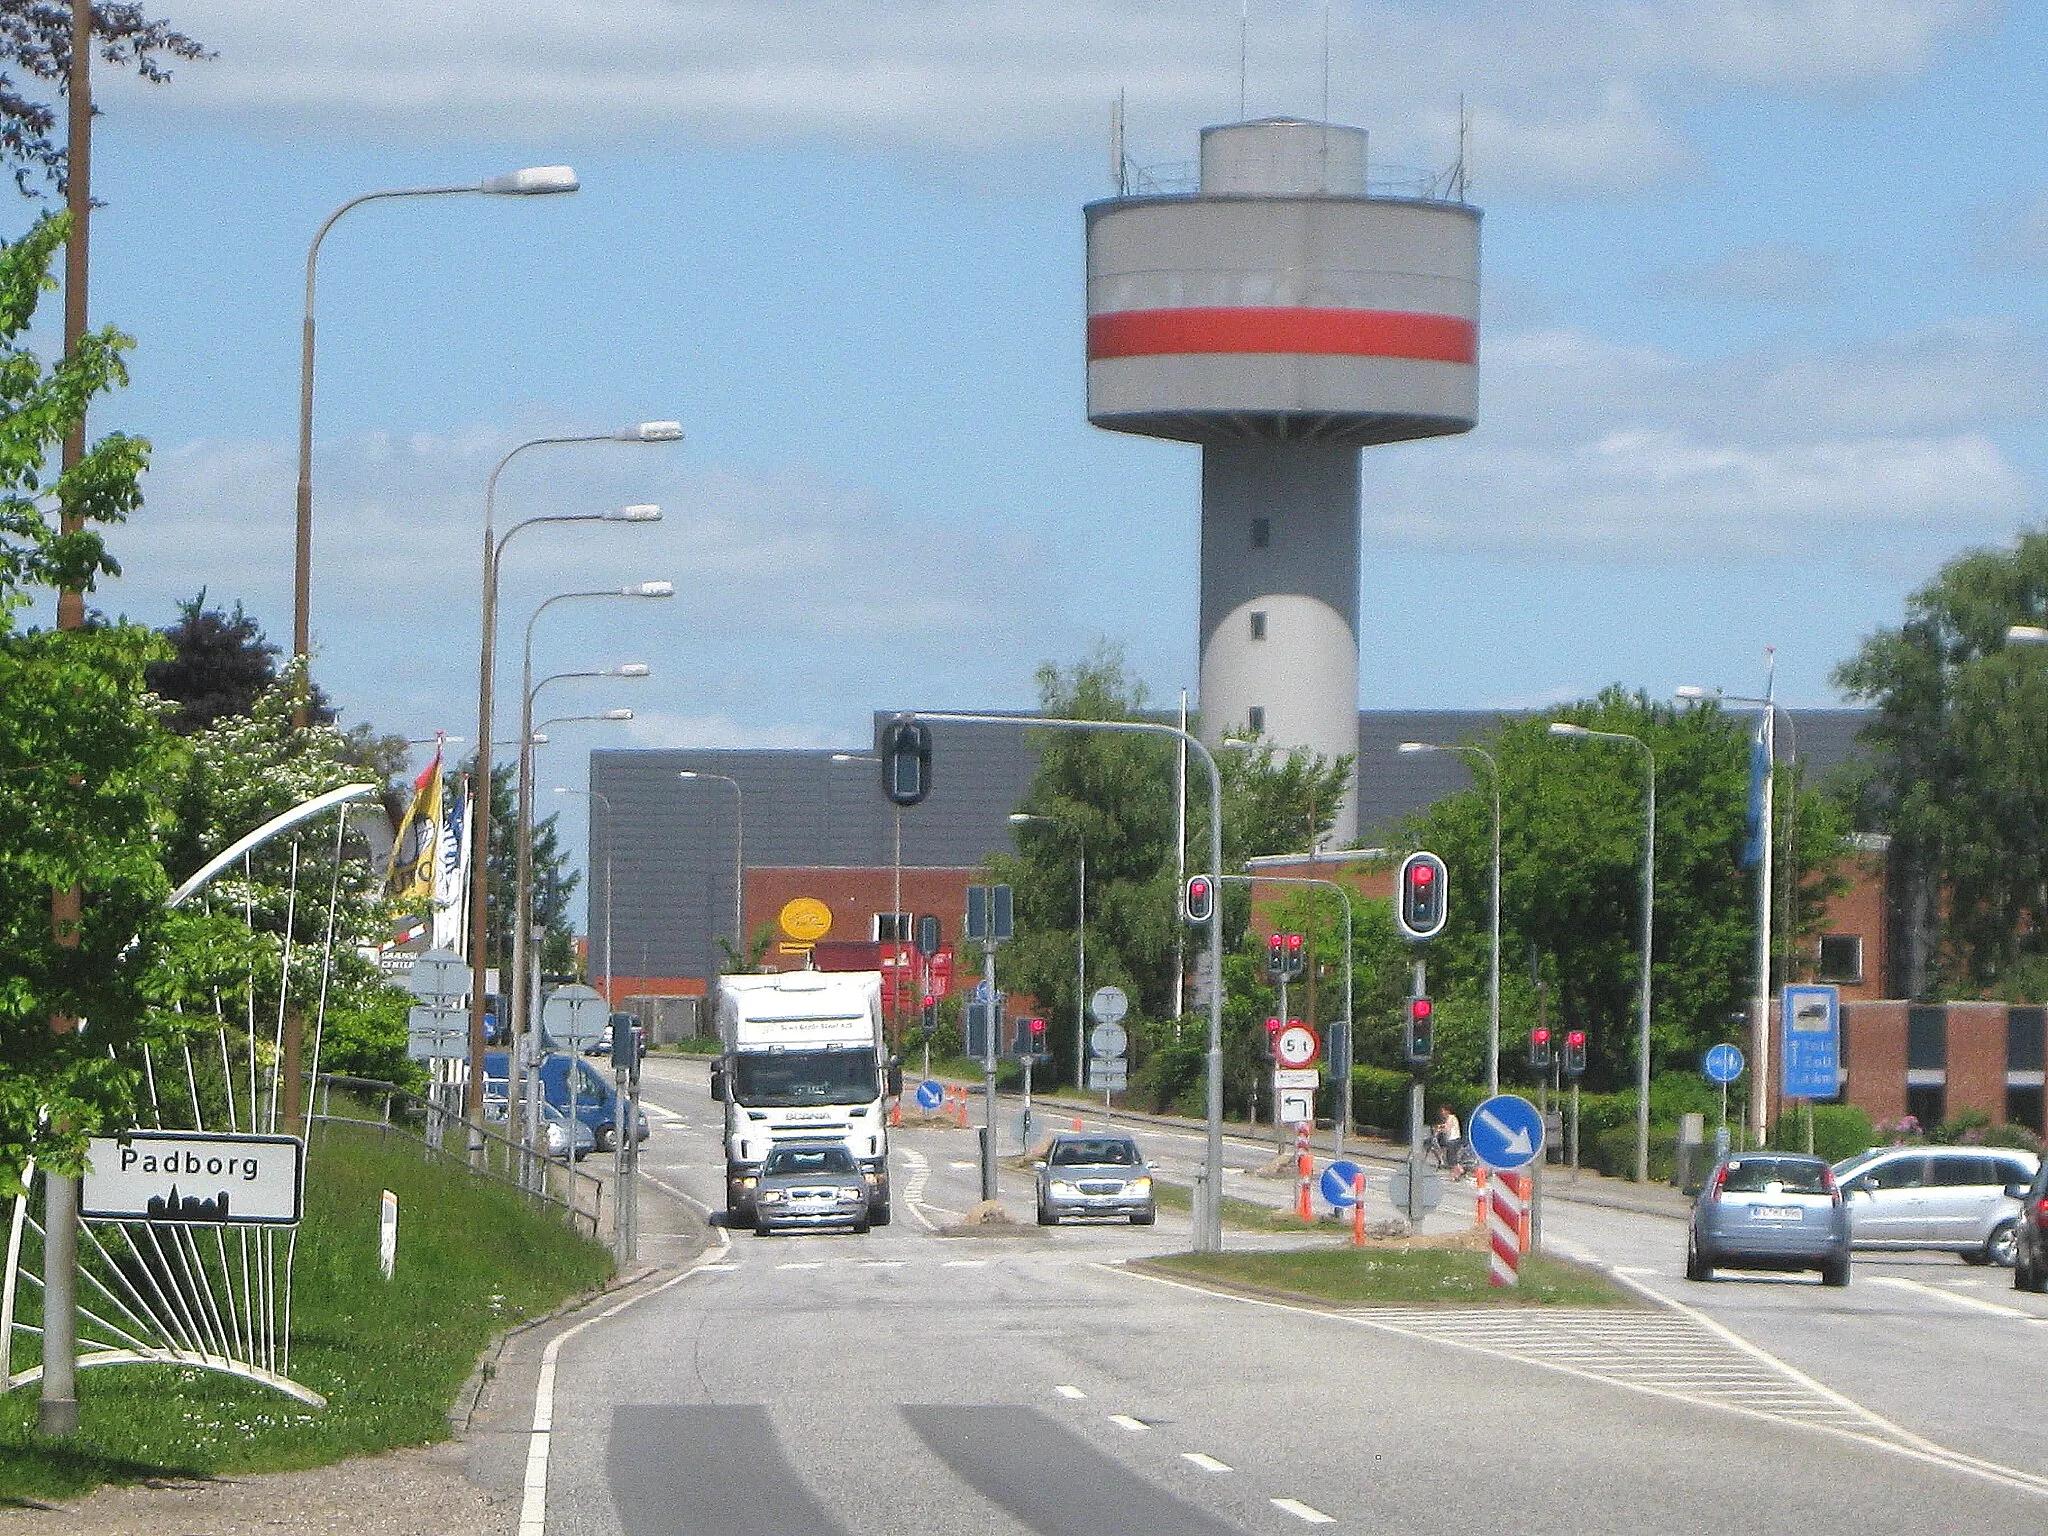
[{"x": 779, "y": 1079}]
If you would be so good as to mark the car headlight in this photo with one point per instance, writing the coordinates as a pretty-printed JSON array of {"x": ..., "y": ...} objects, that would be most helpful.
[
  {"x": 1138, "y": 1187},
  {"x": 771, "y": 1197},
  {"x": 747, "y": 1181},
  {"x": 1060, "y": 1188},
  {"x": 852, "y": 1194}
]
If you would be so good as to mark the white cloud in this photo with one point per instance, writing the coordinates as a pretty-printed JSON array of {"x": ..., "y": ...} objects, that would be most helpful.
[
  {"x": 1573, "y": 95},
  {"x": 1770, "y": 275}
]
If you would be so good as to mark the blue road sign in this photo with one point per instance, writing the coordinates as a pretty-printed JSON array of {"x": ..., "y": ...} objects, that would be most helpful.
[
  {"x": 1337, "y": 1183},
  {"x": 929, "y": 1094},
  {"x": 983, "y": 991},
  {"x": 1506, "y": 1131},
  {"x": 1813, "y": 1042},
  {"x": 1724, "y": 1063}
]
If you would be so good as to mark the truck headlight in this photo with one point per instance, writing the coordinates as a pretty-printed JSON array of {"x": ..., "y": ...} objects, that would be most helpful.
[
  {"x": 771, "y": 1197},
  {"x": 852, "y": 1194}
]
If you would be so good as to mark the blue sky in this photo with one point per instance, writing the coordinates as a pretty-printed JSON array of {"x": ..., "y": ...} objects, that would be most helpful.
[{"x": 1762, "y": 340}]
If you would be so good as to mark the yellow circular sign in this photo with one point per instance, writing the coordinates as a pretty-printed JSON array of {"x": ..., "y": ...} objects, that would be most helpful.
[{"x": 806, "y": 919}]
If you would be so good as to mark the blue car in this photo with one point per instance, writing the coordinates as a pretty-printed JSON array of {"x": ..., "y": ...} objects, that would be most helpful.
[
  {"x": 1769, "y": 1210},
  {"x": 597, "y": 1101}
]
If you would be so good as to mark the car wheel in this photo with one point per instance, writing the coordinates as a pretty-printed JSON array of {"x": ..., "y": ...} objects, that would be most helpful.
[
  {"x": 1836, "y": 1273},
  {"x": 2003, "y": 1246},
  {"x": 880, "y": 1215},
  {"x": 1144, "y": 1218},
  {"x": 1695, "y": 1267},
  {"x": 761, "y": 1228},
  {"x": 860, "y": 1227},
  {"x": 2025, "y": 1277},
  {"x": 1046, "y": 1217},
  {"x": 605, "y": 1140}
]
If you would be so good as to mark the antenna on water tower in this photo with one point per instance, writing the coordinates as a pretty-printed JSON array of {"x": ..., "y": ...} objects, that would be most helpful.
[{"x": 1244, "y": 25}]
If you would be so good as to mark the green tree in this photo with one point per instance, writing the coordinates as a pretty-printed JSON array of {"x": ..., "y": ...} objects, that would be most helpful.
[
  {"x": 82, "y": 756},
  {"x": 1957, "y": 774}
]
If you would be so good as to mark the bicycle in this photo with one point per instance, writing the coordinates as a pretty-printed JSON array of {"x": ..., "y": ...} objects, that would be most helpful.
[{"x": 1456, "y": 1159}]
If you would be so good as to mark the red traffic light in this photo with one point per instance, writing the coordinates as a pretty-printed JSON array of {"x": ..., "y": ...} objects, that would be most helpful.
[
  {"x": 1294, "y": 943},
  {"x": 1272, "y": 1026},
  {"x": 1420, "y": 1007},
  {"x": 1037, "y": 1029},
  {"x": 1576, "y": 1039},
  {"x": 1540, "y": 1036},
  {"x": 1423, "y": 874}
]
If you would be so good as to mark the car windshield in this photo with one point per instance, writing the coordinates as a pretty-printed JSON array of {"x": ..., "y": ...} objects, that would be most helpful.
[
  {"x": 1108, "y": 1151},
  {"x": 808, "y": 1160},
  {"x": 781, "y": 1079},
  {"x": 1791, "y": 1175}
]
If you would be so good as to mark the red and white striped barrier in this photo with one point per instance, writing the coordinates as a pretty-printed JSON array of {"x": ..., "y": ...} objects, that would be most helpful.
[
  {"x": 1504, "y": 1231},
  {"x": 1304, "y": 1165}
]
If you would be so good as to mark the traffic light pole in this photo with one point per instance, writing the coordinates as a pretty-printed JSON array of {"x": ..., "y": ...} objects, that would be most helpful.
[
  {"x": 1414, "y": 1212},
  {"x": 991, "y": 1024}
]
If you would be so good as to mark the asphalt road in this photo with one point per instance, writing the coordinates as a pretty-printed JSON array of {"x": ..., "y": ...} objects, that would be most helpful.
[{"x": 911, "y": 1381}]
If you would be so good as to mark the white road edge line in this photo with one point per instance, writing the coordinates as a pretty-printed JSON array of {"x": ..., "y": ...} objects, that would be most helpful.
[
  {"x": 1302, "y": 1511},
  {"x": 1073, "y": 1392},
  {"x": 1205, "y": 1462},
  {"x": 1910, "y": 1445},
  {"x": 1124, "y": 1420},
  {"x": 1942, "y": 1293}
]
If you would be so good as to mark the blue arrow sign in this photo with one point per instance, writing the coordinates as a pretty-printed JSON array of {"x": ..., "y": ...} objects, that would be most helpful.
[
  {"x": 1724, "y": 1064},
  {"x": 1506, "y": 1131},
  {"x": 929, "y": 1094},
  {"x": 1337, "y": 1183}
]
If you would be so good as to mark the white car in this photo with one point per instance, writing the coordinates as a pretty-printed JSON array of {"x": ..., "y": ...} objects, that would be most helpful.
[{"x": 1951, "y": 1198}]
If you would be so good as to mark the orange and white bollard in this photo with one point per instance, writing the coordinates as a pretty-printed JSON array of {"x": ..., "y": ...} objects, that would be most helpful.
[
  {"x": 1304, "y": 1165},
  {"x": 1358, "y": 1210},
  {"x": 1525, "y": 1186},
  {"x": 1479, "y": 1202},
  {"x": 896, "y": 1111}
]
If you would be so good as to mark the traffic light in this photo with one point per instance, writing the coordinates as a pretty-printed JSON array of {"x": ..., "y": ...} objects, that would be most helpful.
[
  {"x": 1198, "y": 903},
  {"x": 1297, "y": 958},
  {"x": 1422, "y": 896},
  {"x": 928, "y": 1021},
  {"x": 906, "y": 761},
  {"x": 1418, "y": 1041},
  {"x": 1575, "y": 1051},
  {"x": 1272, "y": 1039},
  {"x": 1539, "y": 1046},
  {"x": 1037, "y": 1027},
  {"x": 1276, "y": 957}
]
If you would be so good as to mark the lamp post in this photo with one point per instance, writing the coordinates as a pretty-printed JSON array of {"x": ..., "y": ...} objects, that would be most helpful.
[
  {"x": 487, "y": 661},
  {"x": 1760, "y": 1012},
  {"x": 534, "y": 181},
  {"x": 902, "y": 939},
  {"x": 1025, "y": 818},
  {"x": 1493, "y": 967},
  {"x": 739, "y": 862},
  {"x": 1209, "y": 1222},
  {"x": 1581, "y": 733}
]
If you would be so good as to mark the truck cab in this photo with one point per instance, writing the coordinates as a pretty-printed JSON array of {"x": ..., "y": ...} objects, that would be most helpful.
[{"x": 804, "y": 1059}]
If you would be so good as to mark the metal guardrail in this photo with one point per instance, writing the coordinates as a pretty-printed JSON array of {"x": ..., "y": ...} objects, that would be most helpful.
[{"x": 484, "y": 1151}]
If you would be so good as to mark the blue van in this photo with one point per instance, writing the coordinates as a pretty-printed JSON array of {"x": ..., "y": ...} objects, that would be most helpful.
[{"x": 597, "y": 1101}]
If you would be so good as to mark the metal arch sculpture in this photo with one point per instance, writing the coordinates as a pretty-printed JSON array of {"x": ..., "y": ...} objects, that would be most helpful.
[{"x": 223, "y": 1305}]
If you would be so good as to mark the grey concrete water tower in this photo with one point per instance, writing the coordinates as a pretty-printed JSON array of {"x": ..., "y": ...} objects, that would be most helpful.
[{"x": 1283, "y": 318}]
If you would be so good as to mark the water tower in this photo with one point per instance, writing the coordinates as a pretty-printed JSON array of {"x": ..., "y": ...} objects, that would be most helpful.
[{"x": 1283, "y": 318}]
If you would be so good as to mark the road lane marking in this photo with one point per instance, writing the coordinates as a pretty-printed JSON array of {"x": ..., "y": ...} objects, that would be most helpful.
[
  {"x": 1136, "y": 1426},
  {"x": 881, "y": 1263},
  {"x": 1073, "y": 1392},
  {"x": 1940, "y": 1293},
  {"x": 965, "y": 1264},
  {"x": 963, "y": 1165},
  {"x": 803, "y": 1264},
  {"x": 1302, "y": 1511},
  {"x": 1206, "y": 1463}
]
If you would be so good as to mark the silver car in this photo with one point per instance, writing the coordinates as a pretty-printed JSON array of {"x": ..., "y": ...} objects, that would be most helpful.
[
  {"x": 1951, "y": 1198},
  {"x": 1094, "y": 1176},
  {"x": 1769, "y": 1210},
  {"x": 810, "y": 1186}
]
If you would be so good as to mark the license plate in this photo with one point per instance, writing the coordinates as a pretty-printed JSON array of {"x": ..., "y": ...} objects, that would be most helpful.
[{"x": 1774, "y": 1213}]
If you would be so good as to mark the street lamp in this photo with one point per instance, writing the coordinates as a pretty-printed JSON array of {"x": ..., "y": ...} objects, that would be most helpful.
[
  {"x": 1493, "y": 971},
  {"x": 1581, "y": 733},
  {"x": 487, "y": 661},
  {"x": 1759, "y": 1024},
  {"x": 1025, "y": 818},
  {"x": 534, "y": 181},
  {"x": 739, "y": 865}
]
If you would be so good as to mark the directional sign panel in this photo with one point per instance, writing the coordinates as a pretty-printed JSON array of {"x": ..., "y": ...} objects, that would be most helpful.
[
  {"x": 1813, "y": 1042},
  {"x": 1336, "y": 1183},
  {"x": 1109, "y": 1005},
  {"x": 1724, "y": 1063},
  {"x": 1506, "y": 1131},
  {"x": 930, "y": 1094},
  {"x": 189, "y": 1176},
  {"x": 439, "y": 973},
  {"x": 576, "y": 1015},
  {"x": 1108, "y": 1040}
]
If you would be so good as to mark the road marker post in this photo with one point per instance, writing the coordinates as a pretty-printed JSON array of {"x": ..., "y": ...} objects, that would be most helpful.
[
  {"x": 1358, "y": 1210},
  {"x": 1304, "y": 1164},
  {"x": 1503, "y": 1231}
]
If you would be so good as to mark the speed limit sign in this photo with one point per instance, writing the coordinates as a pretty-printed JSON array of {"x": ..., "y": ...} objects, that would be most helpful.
[{"x": 1296, "y": 1046}]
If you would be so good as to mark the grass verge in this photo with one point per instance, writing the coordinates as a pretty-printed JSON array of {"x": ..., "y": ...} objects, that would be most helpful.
[
  {"x": 1369, "y": 1277},
  {"x": 390, "y": 1356},
  {"x": 1248, "y": 1214}
]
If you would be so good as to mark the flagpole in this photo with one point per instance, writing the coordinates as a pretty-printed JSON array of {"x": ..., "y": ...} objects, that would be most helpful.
[{"x": 1760, "y": 1082}]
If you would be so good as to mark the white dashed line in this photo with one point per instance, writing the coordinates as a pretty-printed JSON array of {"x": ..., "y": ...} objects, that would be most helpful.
[
  {"x": 1137, "y": 1426},
  {"x": 965, "y": 1264},
  {"x": 1073, "y": 1392},
  {"x": 1302, "y": 1511},
  {"x": 1940, "y": 1293},
  {"x": 963, "y": 1165},
  {"x": 1206, "y": 1463},
  {"x": 813, "y": 1264},
  {"x": 881, "y": 1263}
]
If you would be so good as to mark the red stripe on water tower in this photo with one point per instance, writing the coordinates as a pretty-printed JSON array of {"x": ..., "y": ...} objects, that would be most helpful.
[{"x": 1315, "y": 332}]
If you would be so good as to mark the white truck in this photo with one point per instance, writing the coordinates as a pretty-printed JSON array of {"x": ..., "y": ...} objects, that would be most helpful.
[{"x": 804, "y": 1059}]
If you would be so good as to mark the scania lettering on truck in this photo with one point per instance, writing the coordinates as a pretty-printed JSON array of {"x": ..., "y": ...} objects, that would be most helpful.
[{"x": 804, "y": 1059}]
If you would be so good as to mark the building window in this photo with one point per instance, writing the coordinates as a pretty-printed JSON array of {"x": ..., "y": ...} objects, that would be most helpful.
[
  {"x": 1262, "y": 532},
  {"x": 2023, "y": 1107},
  {"x": 1258, "y": 626},
  {"x": 1255, "y": 720},
  {"x": 2023, "y": 1043},
  {"x": 893, "y": 927},
  {"x": 1926, "y": 1041},
  {"x": 1841, "y": 957},
  {"x": 1927, "y": 1104}
]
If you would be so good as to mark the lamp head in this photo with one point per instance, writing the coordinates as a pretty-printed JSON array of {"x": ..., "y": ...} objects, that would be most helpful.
[
  {"x": 1566, "y": 728},
  {"x": 1694, "y": 691},
  {"x": 616, "y": 714},
  {"x": 537, "y": 739},
  {"x": 651, "y": 432},
  {"x": 649, "y": 589},
  {"x": 533, "y": 181},
  {"x": 628, "y": 669},
  {"x": 689, "y": 773},
  {"x": 2026, "y": 634},
  {"x": 646, "y": 512},
  {"x": 1417, "y": 746}
]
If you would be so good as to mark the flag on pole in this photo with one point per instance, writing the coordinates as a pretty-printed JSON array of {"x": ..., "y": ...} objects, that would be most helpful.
[
  {"x": 451, "y": 875},
  {"x": 1759, "y": 776},
  {"x": 415, "y": 853}
]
